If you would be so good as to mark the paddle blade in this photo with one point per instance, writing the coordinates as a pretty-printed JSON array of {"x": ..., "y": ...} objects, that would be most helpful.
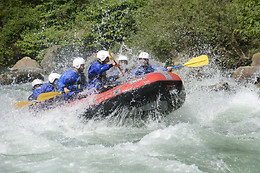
[
  {"x": 110, "y": 53},
  {"x": 198, "y": 61},
  {"x": 19, "y": 105},
  {"x": 46, "y": 96}
]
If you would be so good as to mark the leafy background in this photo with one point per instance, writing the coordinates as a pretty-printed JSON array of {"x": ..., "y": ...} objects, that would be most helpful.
[{"x": 229, "y": 29}]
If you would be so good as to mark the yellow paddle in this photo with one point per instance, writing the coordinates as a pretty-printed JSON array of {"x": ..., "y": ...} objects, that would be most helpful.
[
  {"x": 113, "y": 59},
  {"x": 195, "y": 62},
  {"x": 19, "y": 105},
  {"x": 48, "y": 95},
  {"x": 42, "y": 97}
]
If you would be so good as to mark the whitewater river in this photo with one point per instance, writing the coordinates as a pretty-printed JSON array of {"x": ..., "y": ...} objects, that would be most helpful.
[{"x": 214, "y": 131}]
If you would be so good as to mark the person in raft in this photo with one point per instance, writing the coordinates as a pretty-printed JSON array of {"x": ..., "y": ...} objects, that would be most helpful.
[
  {"x": 36, "y": 86},
  {"x": 73, "y": 81},
  {"x": 51, "y": 86},
  {"x": 145, "y": 67},
  {"x": 125, "y": 75},
  {"x": 98, "y": 81}
]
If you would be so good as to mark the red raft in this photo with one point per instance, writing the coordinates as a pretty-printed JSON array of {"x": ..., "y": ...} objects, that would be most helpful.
[{"x": 155, "y": 92}]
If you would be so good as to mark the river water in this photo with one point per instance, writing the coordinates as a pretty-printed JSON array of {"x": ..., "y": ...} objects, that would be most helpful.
[{"x": 214, "y": 131}]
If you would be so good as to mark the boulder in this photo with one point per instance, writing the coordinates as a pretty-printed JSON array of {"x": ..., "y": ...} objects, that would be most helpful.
[
  {"x": 50, "y": 62},
  {"x": 25, "y": 70},
  {"x": 256, "y": 60},
  {"x": 21, "y": 76},
  {"x": 26, "y": 62},
  {"x": 247, "y": 74}
]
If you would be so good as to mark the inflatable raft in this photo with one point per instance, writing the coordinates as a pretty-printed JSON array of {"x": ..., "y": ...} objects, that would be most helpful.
[{"x": 155, "y": 92}]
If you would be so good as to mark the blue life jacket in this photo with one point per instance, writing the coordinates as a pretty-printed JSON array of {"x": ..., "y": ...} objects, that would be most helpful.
[
  {"x": 97, "y": 75},
  {"x": 144, "y": 69},
  {"x": 74, "y": 81},
  {"x": 47, "y": 87}
]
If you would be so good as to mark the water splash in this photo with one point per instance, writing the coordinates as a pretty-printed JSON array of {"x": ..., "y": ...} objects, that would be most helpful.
[{"x": 214, "y": 131}]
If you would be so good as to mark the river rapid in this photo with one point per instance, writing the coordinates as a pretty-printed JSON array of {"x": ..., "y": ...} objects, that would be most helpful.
[{"x": 214, "y": 131}]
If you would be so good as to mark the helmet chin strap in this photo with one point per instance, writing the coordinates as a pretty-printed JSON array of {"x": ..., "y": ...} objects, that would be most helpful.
[
  {"x": 101, "y": 62},
  {"x": 79, "y": 70}
]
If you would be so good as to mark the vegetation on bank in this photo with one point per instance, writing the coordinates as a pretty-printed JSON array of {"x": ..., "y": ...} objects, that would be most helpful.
[{"x": 227, "y": 28}]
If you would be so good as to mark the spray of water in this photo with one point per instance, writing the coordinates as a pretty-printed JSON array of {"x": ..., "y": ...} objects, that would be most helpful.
[{"x": 216, "y": 130}]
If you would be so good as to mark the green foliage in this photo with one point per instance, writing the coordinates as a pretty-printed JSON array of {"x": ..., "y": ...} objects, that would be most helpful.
[
  {"x": 249, "y": 17},
  {"x": 112, "y": 21},
  {"x": 247, "y": 31},
  {"x": 171, "y": 27},
  {"x": 162, "y": 27},
  {"x": 33, "y": 28},
  {"x": 55, "y": 19},
  {"x": 168, "y": 28},
  {"x": 17, "y": 20}
]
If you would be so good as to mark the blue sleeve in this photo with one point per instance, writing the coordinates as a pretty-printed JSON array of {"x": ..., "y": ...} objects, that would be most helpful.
[
  {"x": 37, "y": 92},
  {"x": 47, "y": 88},
  {"x": 103, "y": 68},
  {"x": 66, "y": 78},
  {"x": 74, "y": 87},
  {"x": 97, "y": 69}
]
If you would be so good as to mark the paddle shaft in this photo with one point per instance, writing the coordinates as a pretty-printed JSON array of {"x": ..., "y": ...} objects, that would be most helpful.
[
  {"x": 112, "y": 58},
  {"x": 176, "y": 66},
  {"x": 117, "y": 65}
]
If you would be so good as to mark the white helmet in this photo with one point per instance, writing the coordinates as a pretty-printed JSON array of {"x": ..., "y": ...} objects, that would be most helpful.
[
  {"x": 53, "y": 76},
  {"x": 144, "y": 55},
  {"x": 102, "y": 55},
  {"x": 77, "y": 62},
  {"x": 37, "y": 82},
  {"x": 122, "y": 58}
]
